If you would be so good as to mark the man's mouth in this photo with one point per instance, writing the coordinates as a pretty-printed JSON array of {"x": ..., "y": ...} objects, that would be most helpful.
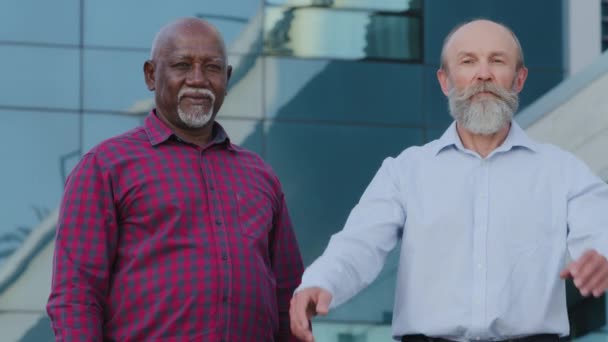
[{"x": 197, "y": 99}]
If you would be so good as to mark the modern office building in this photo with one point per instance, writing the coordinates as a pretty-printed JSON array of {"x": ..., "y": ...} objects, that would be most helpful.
[{"x": 323, "y": 90}]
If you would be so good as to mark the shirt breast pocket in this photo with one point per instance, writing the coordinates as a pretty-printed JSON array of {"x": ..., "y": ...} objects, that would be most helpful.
[{"x": 255, "y": 214}]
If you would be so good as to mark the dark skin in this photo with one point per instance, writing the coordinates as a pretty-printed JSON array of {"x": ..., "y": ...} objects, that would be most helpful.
[{"x": 187, "y": 53}]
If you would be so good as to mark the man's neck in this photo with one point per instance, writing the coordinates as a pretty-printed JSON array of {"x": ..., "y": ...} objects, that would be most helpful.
[
  {"x": 481, "y": 143},
  {"x": 200, "y": 136}
]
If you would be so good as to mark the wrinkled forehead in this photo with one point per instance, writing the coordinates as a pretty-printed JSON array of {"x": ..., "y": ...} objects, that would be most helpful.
[
  {"x": 481, "y": 39},
  {"x": 189, "y": 40}
]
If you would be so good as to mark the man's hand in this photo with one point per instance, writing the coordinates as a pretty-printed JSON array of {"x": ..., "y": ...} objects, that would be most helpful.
[
  {"x": 304, "y": 305},
  {"x": 589, "y": 273}
]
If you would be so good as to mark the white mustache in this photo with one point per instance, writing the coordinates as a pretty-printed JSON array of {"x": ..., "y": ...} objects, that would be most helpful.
[{"x": 202, "y": 91}]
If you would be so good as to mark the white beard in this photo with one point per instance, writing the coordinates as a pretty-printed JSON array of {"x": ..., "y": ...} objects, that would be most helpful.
[
  {"x": 199, "y": 115},
  {"x": 486, "y": 115}
]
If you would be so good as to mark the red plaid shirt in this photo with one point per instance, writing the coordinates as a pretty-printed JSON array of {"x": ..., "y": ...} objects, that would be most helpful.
[{"x": 161, "y": 240}]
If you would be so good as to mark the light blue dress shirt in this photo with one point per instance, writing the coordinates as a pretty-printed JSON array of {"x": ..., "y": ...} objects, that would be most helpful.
[{"x": 483, "y": 240}]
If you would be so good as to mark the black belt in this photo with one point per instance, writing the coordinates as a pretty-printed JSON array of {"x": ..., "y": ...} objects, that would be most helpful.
[{"x": 531, "y": 338}]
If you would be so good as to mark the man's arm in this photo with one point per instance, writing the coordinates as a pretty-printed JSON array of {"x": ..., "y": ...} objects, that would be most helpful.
[
  {"x": 354, "y": 256},
  {"x": 287, "y": 266},
  {"x": 85, "y": 244},
  {"x": 587, "y": 231}
]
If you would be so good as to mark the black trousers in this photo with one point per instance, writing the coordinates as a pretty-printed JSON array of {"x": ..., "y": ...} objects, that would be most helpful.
[{"x": 533, "y": 338}]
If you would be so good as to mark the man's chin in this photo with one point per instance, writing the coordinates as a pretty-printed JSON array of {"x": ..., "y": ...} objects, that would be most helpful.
[{"x": 196, "y": 121}]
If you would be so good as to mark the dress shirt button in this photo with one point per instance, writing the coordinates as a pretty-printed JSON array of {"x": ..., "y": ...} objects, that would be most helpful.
[
  {"x": 218, "y": 222},
  {"x": 480, "y": 266},
  {"x": 224, "y": 256}
]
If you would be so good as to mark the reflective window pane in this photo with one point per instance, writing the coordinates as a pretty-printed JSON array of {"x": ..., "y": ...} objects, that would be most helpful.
[
  {"x": 129, "y": 24},
  {"x": 343, "y": 91},
  {"x": 320, "y": 190},
  {"x": 39, "y": 77},
  {"x": 38, "y": 149},
  {"x": 37, "y": 21},
  {"x": 114, "y": 81},
  {"x": 25, "y": 327},
  {"x": 318, "y": 32},
  {"x": 245, "y": 90},
  {"x": 384, "y": 5}
]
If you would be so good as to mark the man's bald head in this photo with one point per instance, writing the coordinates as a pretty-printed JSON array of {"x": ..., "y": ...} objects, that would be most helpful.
[
  {"x": 182, "y": 26},
  {"x": 463, "y": 29}
]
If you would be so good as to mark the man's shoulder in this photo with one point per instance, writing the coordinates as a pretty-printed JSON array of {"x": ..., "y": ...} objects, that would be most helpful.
[
  {"x": 122, "y": 140},
  {"x": 119, "y": 145},
  {"x": 418, "y": 152}
]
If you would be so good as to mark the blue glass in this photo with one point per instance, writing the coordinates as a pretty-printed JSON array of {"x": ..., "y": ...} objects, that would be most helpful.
[
  {"x": 343, "y": 91},
  {"x": 130, "y": 25},
  {"x": 36, "y": 21},
  {"x": 384, "y": 5},
  {"x": 346, "y": 34},
  {"x": 25, "y": 327},
  {"x": 539, "y": 82},
  {"x": 39, "y": 77},
  {"x": 114, "y": 81},
  {"x": 37, "y": 147}
]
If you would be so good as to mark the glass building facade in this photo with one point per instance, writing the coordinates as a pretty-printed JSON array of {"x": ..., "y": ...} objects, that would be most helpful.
[{"x": 323, "y": 90}]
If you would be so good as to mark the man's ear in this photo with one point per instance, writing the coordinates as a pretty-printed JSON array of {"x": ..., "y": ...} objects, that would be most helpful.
[
  {"x": 520, "y": 78},
  {"x": 149, "y": 69},
  {"x": 228, "y": 72},
  {"x": 444, "y": 81}
]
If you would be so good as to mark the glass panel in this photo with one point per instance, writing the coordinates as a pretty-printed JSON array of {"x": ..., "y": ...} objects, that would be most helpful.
[
  {"x": 343, "y": 91},
  {"x": 319, "y": 32},
  {"x": 39, "y": 77},
  {"x": 40, "y": 148},
  {"x": 351, "y": 332},
  {"x": 384, "y": 5},
  {"x": 129, "y": 24},
  {"x": 325, "y": 168},
  {"x": 245, "y": 91},
  {"x": 538, "y": 83},
  {"x": 114, "y": 81},
  {"x": 37, "y": 21},
  {"x": 25, "y": 327}
]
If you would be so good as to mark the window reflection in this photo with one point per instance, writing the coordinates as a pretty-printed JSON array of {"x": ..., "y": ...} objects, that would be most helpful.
[
  {"x": 347, "y": 34},
  {"x": 384, "y": 5}
]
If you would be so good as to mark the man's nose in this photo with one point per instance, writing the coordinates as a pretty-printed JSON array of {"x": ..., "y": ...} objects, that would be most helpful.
[
  {"x": 197, "y": 77},
  {"x": 484, "y": 73}
]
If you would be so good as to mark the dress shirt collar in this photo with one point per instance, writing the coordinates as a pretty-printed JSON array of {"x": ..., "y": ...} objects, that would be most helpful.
[
  {"x": 158, "y": 132},
  {"x": 516, "y": 138}
]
